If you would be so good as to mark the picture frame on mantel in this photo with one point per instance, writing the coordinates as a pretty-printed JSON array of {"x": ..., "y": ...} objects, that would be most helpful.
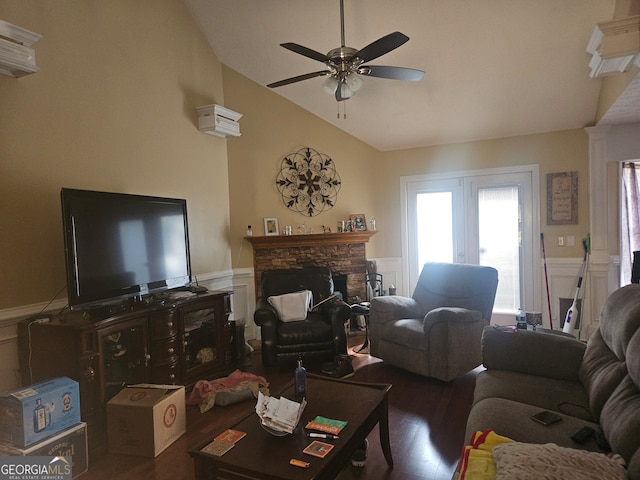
[
  {"x": 562, "y": 198},
  {"x": 359, "y": 222},
  {"x": 271, "y": 226}
]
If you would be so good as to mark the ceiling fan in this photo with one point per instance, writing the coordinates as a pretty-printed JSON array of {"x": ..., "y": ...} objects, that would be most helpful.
[{"x": 345, "y": 64}]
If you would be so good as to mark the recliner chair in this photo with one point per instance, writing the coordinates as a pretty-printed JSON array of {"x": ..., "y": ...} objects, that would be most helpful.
[
  {"x": 319, "y": 337},
  {"x": 436, "y": 332}
]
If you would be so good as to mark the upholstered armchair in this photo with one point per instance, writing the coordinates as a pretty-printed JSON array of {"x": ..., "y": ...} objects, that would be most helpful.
[
  {"x": 319, "y": 336},
  {"x": 437, "y": 331}
]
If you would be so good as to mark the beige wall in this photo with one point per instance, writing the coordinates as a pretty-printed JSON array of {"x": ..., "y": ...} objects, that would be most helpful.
[
  {"x": 553, "y": 152},
  {"x": 112, "y": 108},
  {"x": 272, "y": 128}
]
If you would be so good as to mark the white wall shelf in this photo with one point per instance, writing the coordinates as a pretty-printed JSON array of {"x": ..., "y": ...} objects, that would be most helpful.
[{"x": 17, "y": 56}]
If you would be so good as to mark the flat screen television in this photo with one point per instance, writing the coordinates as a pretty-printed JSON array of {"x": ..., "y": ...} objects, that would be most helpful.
[{"x": 119, "y": 246}]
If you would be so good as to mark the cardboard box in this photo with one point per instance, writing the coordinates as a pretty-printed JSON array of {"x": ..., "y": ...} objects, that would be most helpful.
[
  {"x": 39, "y": 411},
  {"x": 145, "y": 419},
  {"x": 70, "y": 443}
]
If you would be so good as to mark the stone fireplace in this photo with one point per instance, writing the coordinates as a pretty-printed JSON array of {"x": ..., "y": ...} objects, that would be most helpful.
[{"x": 344, "y": 253}]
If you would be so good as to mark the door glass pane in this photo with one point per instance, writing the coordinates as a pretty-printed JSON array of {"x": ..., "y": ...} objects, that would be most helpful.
[
  {"x": 123, "y": 357},
  {"x": 200, "y": 337},
  {"x": 499, "y": 242},
  {"x": 434, "y": 227}
]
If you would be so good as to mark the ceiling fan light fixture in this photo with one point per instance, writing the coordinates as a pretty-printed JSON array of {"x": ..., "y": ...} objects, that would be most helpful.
[
  {"x": 330, "y": 85},
  {"x": 354, "y": 81},
  {"x": 345, "y": 91}
]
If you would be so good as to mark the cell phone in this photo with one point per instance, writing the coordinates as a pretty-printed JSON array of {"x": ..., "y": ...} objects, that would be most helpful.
[{"x": 546, "y": 417}]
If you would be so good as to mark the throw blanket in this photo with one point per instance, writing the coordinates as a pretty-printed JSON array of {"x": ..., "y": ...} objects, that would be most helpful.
[
  {"x": 493, "y": 457},
  {"x": 204, "y": 391},
  {"x": 477, "y": 459}
]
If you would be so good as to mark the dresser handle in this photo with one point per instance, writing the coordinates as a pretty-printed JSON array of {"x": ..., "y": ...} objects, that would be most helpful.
[{"x": 171, "y": 350}]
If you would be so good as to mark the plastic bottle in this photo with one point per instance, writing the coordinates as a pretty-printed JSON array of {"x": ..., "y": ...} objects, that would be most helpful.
[
  {"x": 300, "y": 381},
  {"x": 569, "y": 320},
  {"x": 249, "y": 231},
  {"x": 372, "y": 224},
  {"x": 521, "y": 320}
]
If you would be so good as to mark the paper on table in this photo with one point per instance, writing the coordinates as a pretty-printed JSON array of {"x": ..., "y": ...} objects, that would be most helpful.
[{"x": 280, "y": 414}]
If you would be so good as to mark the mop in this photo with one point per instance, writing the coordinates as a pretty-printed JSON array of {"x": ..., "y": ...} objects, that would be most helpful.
[{"x": 572, "y": 312}]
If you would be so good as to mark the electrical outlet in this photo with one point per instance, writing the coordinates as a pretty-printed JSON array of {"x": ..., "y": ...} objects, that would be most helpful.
[{"x": 561, "y": 241}]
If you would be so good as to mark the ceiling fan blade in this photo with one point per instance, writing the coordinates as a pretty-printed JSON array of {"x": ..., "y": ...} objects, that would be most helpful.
[
  {"x": 307, "y": 52},
  {"x": 393, "y": 73},
  {"x": 299, "y": 78},
  {"x": 381, "y": 46}
]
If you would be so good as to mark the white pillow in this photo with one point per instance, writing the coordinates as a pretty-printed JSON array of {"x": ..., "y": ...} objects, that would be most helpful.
[{"x": 292, "y": 306}]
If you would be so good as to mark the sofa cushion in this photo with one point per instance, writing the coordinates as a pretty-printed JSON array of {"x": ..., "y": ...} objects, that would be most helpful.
[
  {"x": 620, "y": 319},
  {"x": 513, "y": 419},
  {"x": 405, "y": 332},
  {"x": 314, "y": 329},
  {"x": 456, "y": 285},
  {"x": 620, "y": 421},
  {"x": 600, "y": 372},
  {"x": 546, "y": 393},
  {"x": 551, "y": 355}
]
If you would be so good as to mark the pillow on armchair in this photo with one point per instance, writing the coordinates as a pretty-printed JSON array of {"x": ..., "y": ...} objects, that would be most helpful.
[{"x": 292, "y": 307}]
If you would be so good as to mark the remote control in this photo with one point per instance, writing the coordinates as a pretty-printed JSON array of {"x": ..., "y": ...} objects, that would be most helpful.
[{"x": 582, "y": 435}]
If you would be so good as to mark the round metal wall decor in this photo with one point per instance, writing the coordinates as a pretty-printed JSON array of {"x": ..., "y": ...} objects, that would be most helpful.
[{"x": 308, "y": 182}]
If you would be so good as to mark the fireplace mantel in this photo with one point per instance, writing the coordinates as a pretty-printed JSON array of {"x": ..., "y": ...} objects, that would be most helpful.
[
  {"x": 344, "y": 253},
  {"x": 309, "y": 239}
]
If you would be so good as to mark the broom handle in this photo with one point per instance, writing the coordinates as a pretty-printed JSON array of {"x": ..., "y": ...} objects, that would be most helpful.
[{"x": 546, "y": 279}]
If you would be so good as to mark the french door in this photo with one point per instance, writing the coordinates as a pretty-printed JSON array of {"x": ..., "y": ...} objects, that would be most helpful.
[{"x": 487, "y": 217}]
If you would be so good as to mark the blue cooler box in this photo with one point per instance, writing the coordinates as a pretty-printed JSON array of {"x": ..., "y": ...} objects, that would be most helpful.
[{"x": 33, "y": 413}]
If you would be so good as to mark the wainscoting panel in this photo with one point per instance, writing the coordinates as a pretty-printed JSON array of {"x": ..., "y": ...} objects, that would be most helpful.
[{"x": 562, "y": 274}]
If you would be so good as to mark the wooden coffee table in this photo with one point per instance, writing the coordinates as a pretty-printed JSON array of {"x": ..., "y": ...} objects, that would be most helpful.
[{"x": 260, "y": 455}]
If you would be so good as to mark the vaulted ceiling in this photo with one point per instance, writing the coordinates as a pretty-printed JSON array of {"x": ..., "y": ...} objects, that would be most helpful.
[{"x": 493, "y": 68}]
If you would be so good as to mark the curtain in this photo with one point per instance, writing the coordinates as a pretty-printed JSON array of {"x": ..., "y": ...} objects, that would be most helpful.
[{"x": 630, "y": 218}]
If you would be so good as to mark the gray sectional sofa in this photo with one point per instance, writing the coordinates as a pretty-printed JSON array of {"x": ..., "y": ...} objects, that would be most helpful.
[{"x": 595, "y": 384}]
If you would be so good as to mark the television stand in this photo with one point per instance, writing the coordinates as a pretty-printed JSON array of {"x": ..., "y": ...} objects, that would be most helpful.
[{"x": 179, "y": 340}]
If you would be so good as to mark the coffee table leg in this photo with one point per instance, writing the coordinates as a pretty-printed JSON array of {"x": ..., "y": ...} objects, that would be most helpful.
[{"x": 384, "y": 433}]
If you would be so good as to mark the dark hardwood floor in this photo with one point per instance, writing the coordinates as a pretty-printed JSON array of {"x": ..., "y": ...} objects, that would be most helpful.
[{"x": 426, "y": 418}]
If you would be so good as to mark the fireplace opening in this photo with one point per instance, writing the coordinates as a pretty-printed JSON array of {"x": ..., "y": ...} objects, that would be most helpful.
[{"x": 340, "y": 285}]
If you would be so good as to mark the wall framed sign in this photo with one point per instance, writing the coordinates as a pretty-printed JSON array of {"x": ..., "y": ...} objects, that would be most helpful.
[{"x": 562, "y": 198}]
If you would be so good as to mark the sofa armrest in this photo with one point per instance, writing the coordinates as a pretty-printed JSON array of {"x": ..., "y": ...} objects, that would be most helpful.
[
  {"x": 450, "y": 315},
  {"x": 266, "y": 318},
  {"x": 338, "y": 313},
  {"x": 534, "y": 353},
  {"x": 265, "y": 314},
  {"x": 336, "y": 308},
  {"x": 393, "y": 307}
]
